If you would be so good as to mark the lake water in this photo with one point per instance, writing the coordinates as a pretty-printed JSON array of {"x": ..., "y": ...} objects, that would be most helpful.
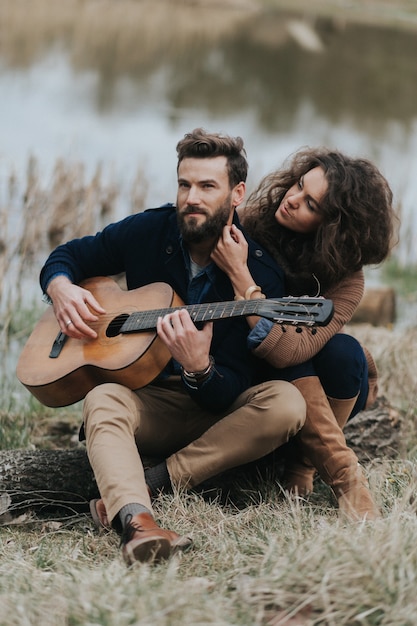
[{"x": 121, "y": 93}]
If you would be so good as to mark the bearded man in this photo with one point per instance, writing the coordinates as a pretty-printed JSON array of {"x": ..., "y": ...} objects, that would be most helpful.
[{"x": 201, "y": 414}]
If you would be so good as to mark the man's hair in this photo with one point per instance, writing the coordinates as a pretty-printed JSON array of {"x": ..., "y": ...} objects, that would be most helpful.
[{"x": 200, "y": 144}]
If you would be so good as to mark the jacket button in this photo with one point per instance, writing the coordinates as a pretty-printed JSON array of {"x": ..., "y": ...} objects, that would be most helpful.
[
  {"x": 258, "y": 252},
  {"x": 169, "y": 249}
]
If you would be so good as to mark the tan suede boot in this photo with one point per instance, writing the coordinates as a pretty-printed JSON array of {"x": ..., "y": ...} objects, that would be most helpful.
[
  {"x": 299, "y": 473},
  {"x": 342, "y": 409},
  {"x": 323, "y": 441}
]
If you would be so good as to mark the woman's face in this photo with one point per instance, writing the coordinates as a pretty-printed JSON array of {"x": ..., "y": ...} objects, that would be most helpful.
[{"x": 300, "y": 207}]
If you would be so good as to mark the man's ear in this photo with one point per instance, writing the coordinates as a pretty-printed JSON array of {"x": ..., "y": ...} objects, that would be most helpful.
[{"x": 238, "y": 194}]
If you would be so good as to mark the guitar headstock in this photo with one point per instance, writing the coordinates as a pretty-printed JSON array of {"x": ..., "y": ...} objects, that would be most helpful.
[{"x": 297, "y": 311}]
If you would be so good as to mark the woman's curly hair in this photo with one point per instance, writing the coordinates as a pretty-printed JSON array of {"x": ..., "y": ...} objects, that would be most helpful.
[{"x": 357, "y": 228}]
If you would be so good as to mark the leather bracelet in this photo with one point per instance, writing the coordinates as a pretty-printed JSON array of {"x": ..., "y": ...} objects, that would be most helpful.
[{"x": 194, "y": 379}]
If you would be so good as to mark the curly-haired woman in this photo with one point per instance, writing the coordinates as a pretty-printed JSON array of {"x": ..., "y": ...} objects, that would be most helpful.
[{"x": 323, "y": 216}]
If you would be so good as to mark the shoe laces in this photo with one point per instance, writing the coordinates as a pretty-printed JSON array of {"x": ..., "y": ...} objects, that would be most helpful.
[{"x": 129, "y": 530}]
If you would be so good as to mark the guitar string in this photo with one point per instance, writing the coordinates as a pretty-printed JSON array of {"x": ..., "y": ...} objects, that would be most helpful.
[{"x": 210, "y": 309}]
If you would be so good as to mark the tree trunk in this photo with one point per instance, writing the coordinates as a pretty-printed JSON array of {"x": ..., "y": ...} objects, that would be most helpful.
[
  {"x": 46, "y": 480},
  {"x": 43, "y": 480},
  {"x": 376, "y": 433}
]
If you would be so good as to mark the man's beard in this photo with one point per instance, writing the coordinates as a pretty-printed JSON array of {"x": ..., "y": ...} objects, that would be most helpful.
[{"x": 193, "y": 231}]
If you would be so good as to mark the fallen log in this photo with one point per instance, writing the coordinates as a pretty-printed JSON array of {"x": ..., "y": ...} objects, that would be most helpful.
[
  {"x": 378, "y": 307},
  {"x": 376, "y": 432},
  {"x": 47, "y": 480}
]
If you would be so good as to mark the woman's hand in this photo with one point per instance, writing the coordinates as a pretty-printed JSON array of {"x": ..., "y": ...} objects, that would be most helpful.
[
  {"x": 231, "y": 255},
  {"x": 231, "y": 251}
]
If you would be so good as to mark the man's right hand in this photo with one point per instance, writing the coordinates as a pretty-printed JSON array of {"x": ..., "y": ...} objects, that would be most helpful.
[{"x": 74, "y": 308}]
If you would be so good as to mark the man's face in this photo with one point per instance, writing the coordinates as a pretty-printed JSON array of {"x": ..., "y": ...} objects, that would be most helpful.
[{"x": 205, "y": 202}]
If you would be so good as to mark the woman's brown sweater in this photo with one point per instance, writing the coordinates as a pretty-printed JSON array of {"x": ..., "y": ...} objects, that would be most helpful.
[{"x": 283, "y": 349}]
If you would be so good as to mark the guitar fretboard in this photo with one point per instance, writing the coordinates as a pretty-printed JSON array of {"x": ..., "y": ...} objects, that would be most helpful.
[{"x": 146, "y": 320}]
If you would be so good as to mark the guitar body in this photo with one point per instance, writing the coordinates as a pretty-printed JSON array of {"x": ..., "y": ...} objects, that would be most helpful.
[{"x": 133, "y": 360}]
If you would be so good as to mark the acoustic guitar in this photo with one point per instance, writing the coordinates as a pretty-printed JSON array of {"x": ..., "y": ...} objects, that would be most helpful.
[{"x": 59, "y": 370}]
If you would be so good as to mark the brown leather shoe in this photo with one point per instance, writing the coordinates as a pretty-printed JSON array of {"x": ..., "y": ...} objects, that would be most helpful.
[{"x": 143, "y": 540}]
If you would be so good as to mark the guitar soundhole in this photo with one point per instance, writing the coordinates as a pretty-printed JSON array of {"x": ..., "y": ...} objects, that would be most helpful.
[{"x": 113, "y": 329}]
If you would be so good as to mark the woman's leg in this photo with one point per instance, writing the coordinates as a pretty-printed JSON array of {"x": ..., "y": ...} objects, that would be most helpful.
[
  {"x": 321, "y": 439},
  {"x": 343, "y": 371}
]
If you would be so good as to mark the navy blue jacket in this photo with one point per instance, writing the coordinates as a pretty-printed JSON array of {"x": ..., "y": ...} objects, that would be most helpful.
[{"x": 146, "y": 246}]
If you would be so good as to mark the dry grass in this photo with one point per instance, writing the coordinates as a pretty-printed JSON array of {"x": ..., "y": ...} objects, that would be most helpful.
[
  {"x": 395, "y": 353},
  {"x": 260, "y": 565},
  {"x": 70, "y": 204}
]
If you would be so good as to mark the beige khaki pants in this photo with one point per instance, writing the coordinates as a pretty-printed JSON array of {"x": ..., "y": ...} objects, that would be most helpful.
[{"x": 163, "y": 421}]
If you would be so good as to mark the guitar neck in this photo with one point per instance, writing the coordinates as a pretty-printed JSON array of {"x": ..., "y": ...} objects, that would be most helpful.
[{"x": 146, "y": 320}]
